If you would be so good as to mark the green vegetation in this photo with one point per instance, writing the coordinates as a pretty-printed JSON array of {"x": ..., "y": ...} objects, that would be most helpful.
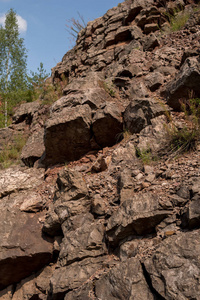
[
  {"x": 36, "y": 83},
  {"x": 12, "y": 63},
  {"x": 146, "y": 156},
  {"x": 178, "y": 20},
  {"x": 186, "y": 138},
  {"x": 16, "y": 86},
  {"x": 109, "y": 88},
  {"x": 10, "y": 154}
]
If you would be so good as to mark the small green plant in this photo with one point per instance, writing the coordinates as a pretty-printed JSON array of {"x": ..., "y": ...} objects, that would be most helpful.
[
  {"x": 186, "y": 138},
  {"x": 10, "y": 154},
  {"x": 146, "y": 155},
  {"x": 109, "y": 89},
  {"x": 177, "y": 19}
]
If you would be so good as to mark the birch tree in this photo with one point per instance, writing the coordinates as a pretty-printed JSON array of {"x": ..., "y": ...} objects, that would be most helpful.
[{"x": 12, "y": 61}]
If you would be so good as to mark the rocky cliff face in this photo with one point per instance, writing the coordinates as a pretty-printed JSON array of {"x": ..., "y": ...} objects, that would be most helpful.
[{"x": 83, "y": 217}]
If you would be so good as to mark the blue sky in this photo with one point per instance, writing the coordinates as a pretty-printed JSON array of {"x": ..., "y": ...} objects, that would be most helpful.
[{"x": 43, "y": 25}]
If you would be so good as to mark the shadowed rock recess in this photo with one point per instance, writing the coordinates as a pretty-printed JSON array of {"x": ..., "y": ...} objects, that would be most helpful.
[{"x": 100, "y": 208}]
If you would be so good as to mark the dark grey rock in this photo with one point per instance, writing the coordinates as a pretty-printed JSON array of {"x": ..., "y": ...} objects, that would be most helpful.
[
  {"x": 174, "y": 268},
  {"x": 136, "y": 216},
  {"x": 139, "y": 113},
  {"x": 130, "y": 285},
  {"x": 186, "y": 81}
]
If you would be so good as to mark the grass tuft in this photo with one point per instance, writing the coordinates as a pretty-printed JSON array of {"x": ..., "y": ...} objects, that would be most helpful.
[{"x": 11, "y": 152}]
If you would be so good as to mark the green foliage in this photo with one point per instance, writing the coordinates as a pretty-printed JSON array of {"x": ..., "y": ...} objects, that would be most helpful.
[
  {"x": 186, "y": 138},
  {"x": 146, "y": 155},
  {"x": 13, "y": 80},
  {"x": 36, "y": 83},
  {"x": 11, "y": 152},
  {"x": 179, "y": 20},
  {"x": 109, "y": 88}
]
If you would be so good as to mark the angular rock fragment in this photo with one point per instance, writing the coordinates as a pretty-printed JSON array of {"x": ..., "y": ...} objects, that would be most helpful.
[
  {"x": 70, "y": 199},
  {"x": 139, "y": 113},
  {"x": 85, "y": 241},
  {"x": 130, "y": 285},
  {"x": 186, "y": 81},
  {"x": 193, "y": 213},
  {"x": 136, "y": 216},
  {"x": 73, "y": 276}
]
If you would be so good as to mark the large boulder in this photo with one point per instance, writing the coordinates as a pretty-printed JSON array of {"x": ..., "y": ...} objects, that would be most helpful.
[
  {"x": 185, "y": 83},
  {"x": 174, "y": 268},
  {"x": 67, "y": 134},
  {"x": 86, "y": 118},
  {"x": 23, "y": 250}
]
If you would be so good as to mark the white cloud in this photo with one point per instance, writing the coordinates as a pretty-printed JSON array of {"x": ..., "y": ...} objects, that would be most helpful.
[{"x": 21, "y": 22}]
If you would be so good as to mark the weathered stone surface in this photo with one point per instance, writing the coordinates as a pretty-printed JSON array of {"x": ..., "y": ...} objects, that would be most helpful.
[
  {"x": 193, "y": 213},
  {"x": 107, "y": 124},
  {"x": 132, "y": 285},
  {"x": 6, "y": 294},
  {"x": 36, "y": 286},
  {"x": 139, "y": 113},
  {"x": 85, "y": 241},
  {"x": 32, "y": 203},
  {"x": 85, "y": 292},
  {"x": 70, "y": 199},
  {"x": 23, "y": 250},
  {"x": 174, "y": 268},
  {"x": 150, "y": 42},
  {"x": 26, "y": 112},
  {"x": 98, "y": 206},
  {"x": 16, "y": 179},
  {"x": 186, "y": 81},
  {"x": 153, "y": 137},
  {"x": 73, "y": 276},
  {"x": 154, "y": 80},
  {"x": 135, "y": 216},
  {"x": 34, "y": 148},
  {"x": 67, "y": 134}
]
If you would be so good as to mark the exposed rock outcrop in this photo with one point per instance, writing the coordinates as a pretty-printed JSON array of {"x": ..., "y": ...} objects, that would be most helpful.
[{"x": 97, "y": 215}]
